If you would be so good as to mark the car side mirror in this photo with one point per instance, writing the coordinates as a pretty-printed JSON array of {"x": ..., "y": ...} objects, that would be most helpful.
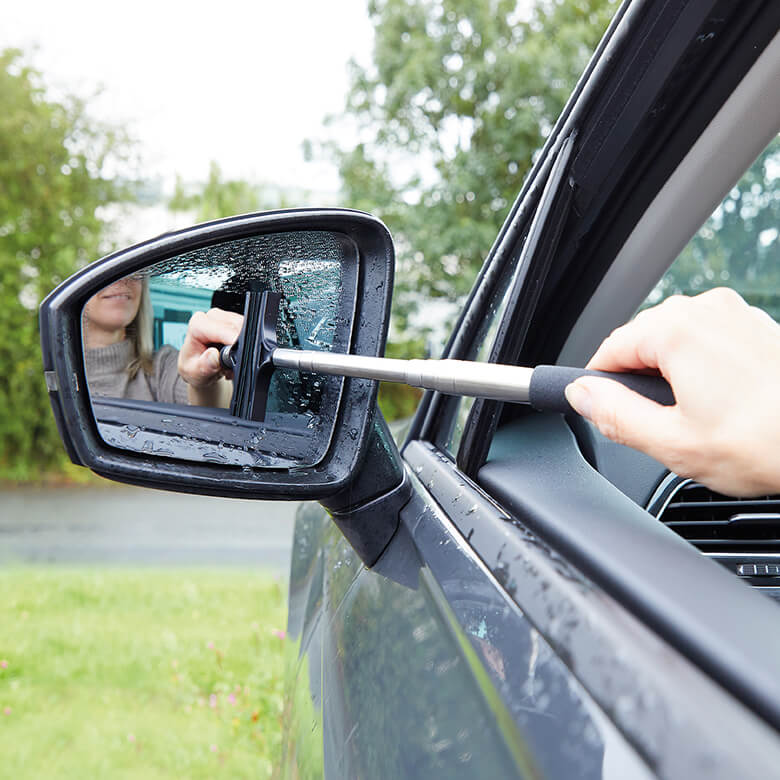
[{"x": 111, "y": 334}]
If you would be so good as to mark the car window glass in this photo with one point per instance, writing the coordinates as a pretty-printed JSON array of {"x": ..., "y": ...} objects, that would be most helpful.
[
  {"x": 457, "y": 408},
  {"x": 739, "y": 245}
]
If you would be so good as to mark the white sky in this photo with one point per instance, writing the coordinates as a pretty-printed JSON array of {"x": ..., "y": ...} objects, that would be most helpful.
[{"x": 242, "y": 83}]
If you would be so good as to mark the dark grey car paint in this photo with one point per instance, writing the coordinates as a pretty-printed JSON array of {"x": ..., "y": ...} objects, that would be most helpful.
[
  {"x": 432, "y": 665},
  {"x": 432, "y": 670},
  {"x": 640, "y": 674},
  {"x": 652, "y": 693}
]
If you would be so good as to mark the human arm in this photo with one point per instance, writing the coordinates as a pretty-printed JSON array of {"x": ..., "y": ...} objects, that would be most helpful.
[{"x": 722, "y": 359}]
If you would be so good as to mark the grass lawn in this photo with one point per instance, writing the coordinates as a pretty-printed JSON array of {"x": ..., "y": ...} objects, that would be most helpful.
[{"x": 143, "y": 673}]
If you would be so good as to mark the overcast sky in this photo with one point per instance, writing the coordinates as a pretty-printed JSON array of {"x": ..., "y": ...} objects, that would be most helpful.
[{"x": 242, "y": 83}]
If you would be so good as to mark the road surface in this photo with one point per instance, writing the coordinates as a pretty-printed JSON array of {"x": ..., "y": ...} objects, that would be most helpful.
[{"x": 137, "y": 526}]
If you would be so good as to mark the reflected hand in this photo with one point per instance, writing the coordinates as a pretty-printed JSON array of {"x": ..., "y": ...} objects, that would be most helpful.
[
  {"x": 199, "y": 363},
  {"x": 722, "y": 359}
]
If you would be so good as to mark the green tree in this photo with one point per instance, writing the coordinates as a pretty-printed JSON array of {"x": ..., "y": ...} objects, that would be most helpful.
[
  {"x": 739, "y": 245},
  {"x": 53, "y": 183},
  {"x": 218, "y": 197},
  {"x": 460, "y": 95}
]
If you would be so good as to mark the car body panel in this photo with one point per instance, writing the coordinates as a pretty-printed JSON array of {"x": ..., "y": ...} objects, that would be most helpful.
[
  {"x": 584, "y": 639},
  {"x": 693, "y": 604},
  {"x": 519, "y": 664},
  {"x": 431, "y": 669}
]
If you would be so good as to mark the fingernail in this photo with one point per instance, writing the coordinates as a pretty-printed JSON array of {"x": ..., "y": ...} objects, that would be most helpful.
[{"x": 579, "y": 399}]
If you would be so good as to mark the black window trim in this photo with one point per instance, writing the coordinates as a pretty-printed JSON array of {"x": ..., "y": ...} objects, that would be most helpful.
[
  {"x": 601, "y": 223},
  {"x": 580, "y": 258},
  {"x": 527, "y": 284}
]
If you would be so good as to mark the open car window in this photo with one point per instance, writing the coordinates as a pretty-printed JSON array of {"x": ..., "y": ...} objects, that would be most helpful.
[
  {"x": 738, "y": 246},
  {"x": 458, "y": 408}
]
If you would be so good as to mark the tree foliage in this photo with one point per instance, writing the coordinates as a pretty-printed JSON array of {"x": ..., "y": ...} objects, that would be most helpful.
[
  {"x": 739, "y": 245},
  {"x": 53, "y": 183},
  {"x": 218, "y": 197},
  {"x": 460, "y": 95}
]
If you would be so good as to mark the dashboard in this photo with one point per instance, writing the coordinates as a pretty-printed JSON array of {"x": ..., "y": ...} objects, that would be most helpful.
[{"x": 741, "y": 534}]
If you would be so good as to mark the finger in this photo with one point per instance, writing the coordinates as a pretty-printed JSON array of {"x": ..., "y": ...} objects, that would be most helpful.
[
  {"x": 205, "y": 329},
  {"x": 230, "y": 317},
  {"x": 207, "y": 365},
  {"x": 763, "y": 317},
  {"x": 624, "y": 350},
  {"x": 626, "y": 417}
]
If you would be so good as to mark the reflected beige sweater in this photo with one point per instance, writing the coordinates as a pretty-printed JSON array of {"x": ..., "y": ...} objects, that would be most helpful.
[{"x": 107, "y": 374}]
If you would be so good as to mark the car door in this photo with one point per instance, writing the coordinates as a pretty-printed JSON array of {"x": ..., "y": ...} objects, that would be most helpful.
[{"x": 530, "y": 618}]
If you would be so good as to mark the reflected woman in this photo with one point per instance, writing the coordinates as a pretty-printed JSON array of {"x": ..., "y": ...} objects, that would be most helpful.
[{"x": 120, "y": 360}]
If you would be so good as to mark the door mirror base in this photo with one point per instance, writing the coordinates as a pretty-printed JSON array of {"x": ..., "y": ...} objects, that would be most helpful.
[{"x": 367, "y": 518}]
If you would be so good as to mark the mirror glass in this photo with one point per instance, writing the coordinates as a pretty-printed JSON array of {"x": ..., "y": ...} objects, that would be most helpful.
[{"x": 149, "y": 350}]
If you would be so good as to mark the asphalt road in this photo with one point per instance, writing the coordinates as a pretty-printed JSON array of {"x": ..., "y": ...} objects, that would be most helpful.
[{"x": 135, "y": 526}]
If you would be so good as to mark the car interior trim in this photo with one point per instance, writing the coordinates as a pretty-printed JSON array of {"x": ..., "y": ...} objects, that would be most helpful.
[
  {"x": 680, "y": 206},
  {"x": 606, "y": 647},
  {"x": 696, "y": 606}
]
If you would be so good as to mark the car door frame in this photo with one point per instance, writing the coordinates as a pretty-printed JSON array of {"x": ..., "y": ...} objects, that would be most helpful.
[
  {"x": 608, "y": 617},
  {"x": 596, "y": 528}
]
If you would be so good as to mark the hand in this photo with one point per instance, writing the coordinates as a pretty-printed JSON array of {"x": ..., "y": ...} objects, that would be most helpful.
[
  {"x": 722, "y": 359},
  {"x": 199, "y": 363}
]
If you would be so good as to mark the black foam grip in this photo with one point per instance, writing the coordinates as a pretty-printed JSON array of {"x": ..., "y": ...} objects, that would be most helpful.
[{"x": 548, "y": 383}]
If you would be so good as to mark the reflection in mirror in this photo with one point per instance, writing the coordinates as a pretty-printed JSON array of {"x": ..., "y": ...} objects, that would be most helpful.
[{"x": 151, "y": 350}]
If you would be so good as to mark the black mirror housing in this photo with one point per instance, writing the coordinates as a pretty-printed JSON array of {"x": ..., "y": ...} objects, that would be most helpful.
[{"x": 64, "y": 365}]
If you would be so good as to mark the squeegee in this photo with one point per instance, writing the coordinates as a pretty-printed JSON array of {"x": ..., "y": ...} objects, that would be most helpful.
[{"x": 542, "y": 387}]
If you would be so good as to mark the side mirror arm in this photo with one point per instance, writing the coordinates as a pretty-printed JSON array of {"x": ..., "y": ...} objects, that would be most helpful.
[{"x": 368, "y": 510}]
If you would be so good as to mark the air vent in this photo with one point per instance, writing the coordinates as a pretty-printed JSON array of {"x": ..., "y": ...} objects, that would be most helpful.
[{"x": 719, "y": 524}]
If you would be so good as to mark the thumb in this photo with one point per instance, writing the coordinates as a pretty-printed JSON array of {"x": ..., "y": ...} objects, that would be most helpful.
[
  {"x": 201, "y": 370},
  {"x": 624, "y": 416},
  {"x": 209, "y": 362}
]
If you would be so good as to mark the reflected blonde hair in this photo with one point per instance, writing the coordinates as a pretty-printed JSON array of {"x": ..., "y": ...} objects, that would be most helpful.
[{"x": 139, "y": 331}]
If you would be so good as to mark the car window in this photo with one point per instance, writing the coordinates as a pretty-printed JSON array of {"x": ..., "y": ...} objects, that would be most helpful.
[
  {"x": 490, "y": 337},
  {"x": 739, "y": 245},
  {"x": 456, "y": 410}
]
